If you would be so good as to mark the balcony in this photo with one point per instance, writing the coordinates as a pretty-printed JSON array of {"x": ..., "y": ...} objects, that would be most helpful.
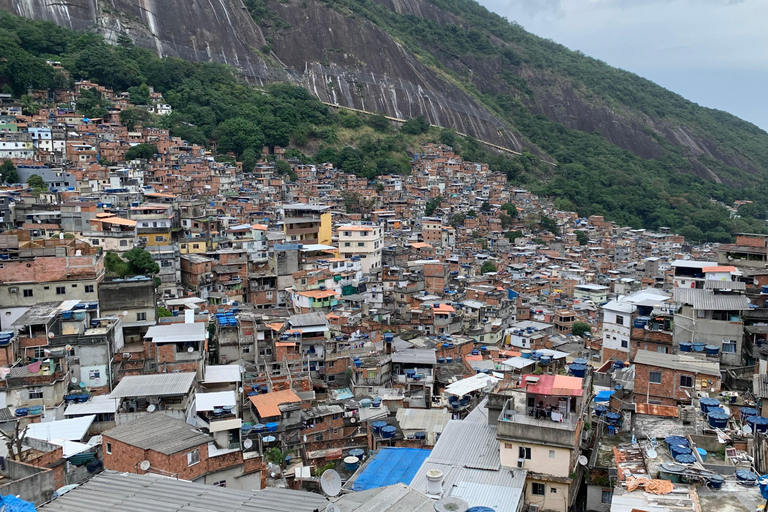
[
  {"x": 520, "y": 423},
  {"x": 109, "y": 234}
]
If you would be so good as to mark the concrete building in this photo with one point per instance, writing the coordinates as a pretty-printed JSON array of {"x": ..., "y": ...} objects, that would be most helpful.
[
  {"x": 364, "y": 241},
  {"x": 307, "y": 223},
  {"x": 673, "y": 379}
]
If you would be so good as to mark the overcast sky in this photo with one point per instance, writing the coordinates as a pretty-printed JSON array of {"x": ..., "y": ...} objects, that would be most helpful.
[{"x": 713, "y": 52}]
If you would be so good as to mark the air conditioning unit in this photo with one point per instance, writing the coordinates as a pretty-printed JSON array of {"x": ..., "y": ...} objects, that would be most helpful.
[
  {"x": 13, "y": 289},
  {"x": 533, "y": 508},
  {"x": 520, "y": 462}
]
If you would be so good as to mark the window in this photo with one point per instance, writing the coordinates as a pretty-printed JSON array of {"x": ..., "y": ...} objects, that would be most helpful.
[
  {"x": 654, "y": 377},
  {"x": 35, "y": 393},
  {"x": 524, "y": 453},
  {"x": 61, "y": 290},
  {"x": 624, "y": 343},
  {"x": 39, "y": 353},
  {"x": 28, "y": 292},
  {"x": 662, "y": 350},
  {"x": 686, "y": 381},
  {"x": 109, "y": 448},
  {"x": 551, "y": 454},
  {"x": 222, "y": 483},
  {"x": 140, "y": 317},
  {"x": 94, "y": 374},
  {"x": 553, "y": 490},
  {"x": 538, "y": 489},
  {"x": 89, "y": 288},
  {"x": 246, "y": 349},
  {"x": 159, "y": 238},
  {"x": 318, "y": 437},
  {"x": 193, "y": 457},
  {"x": 361, "y": 244},
  {"x": 166, "y": 263},
  {"x": 347, "y": 244},
  {"x": 195, "y": 246},
  {"x": 607, "y": 496},
  {"x": 729, "y": 346},
  {"x": 123, "y": 243},
  {"x": 619, "y": 319},
  {"x": 94, "y": 241}
]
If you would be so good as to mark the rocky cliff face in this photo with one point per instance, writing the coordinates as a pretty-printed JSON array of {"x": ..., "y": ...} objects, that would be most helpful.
[{"x": 345, "y": 59}]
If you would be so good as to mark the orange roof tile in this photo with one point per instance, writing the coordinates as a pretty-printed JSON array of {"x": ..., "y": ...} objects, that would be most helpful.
[
  {"x": 267, "y": 405},
  {"x": 420, "y": 245},
  {"x": 718, "y": 269},
  {"x": 317, "y": 294}
]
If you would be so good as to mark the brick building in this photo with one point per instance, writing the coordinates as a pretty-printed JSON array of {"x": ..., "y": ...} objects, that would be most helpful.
[{"x": 671, "y": 379}]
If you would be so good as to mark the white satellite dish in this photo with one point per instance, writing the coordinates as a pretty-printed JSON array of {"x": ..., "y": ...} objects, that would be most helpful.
[
  {"x": 747, "y": 429},
  {"x": 651, "y": 453},
  {"x": 68, "y": 347},
  {"x": 191, "y": 349},
  {"x": 51, "y": 335},
  {"x": 74, "y": 380},
  {"x": 240, "y": 389},
  {"x": 583, "y": 460},
  {"x": 151, "y": 408},
  {"x": 330, "y": 482},
  {"x": 125, "y": 313},
  {"x": 247, "y": 443},
  {"x": 144, "y": 465},
  {"x": 332, "y": 507}
]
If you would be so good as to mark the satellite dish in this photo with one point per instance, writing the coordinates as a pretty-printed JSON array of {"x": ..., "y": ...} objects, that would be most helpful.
[
  {"x": 151, "y": 408},
  {"x": 125, "y": 313},
  {"x": 332, "y": 507},
  {"x": 240, "y": 389},
  {"x": 144, "y": 465},
  {"x": 191, "y": 349},
  {"x": 247, "y": 443},
  {"x": 74, "y": 380},
  {"x": 651, "y": 453},
  {"x": 51, "y": 335},
  {"x": 68, "y": 347},
  {"x": 747, "y": 429},
  {"x": 82, "y": 384},
  {"x": 583, "y": 460},
  {"x": 330, "y": 482}
]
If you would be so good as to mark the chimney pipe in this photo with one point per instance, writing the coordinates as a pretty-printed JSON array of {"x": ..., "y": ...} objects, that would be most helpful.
[{"x": 434, "y": 482}]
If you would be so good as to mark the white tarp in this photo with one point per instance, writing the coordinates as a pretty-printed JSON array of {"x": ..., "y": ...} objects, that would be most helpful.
[
  {"x": 470, "y": 384},
  {"x": 518, "y": 362}
]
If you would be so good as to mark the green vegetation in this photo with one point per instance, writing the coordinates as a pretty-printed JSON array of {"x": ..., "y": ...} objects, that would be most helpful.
[
  {"x": 163, "y": 313},
  {"x": 582, "y": 238},
  {"x": 488, "y": 266},
  {"x": 8, "y": 172},
  {"x": 141, "y": 151},
  {"x": 36, "y": 183},
  {"x": 137, "y": 261},
  {"x": 580, "y": 328},
  {"x": 432, "y": 205}
]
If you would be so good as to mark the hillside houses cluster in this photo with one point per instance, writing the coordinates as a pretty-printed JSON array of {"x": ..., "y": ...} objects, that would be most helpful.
[{"x": 441, "y": 337}]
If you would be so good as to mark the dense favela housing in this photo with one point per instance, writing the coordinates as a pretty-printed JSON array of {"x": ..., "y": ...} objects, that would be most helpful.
[{"x": 293, "y": 337}]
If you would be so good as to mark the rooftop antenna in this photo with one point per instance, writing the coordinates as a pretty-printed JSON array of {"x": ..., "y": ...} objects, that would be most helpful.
[{"x": 144, "y": 465}]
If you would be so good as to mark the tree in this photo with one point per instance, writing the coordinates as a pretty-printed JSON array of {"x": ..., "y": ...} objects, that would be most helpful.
[
  {"x": 29, "y": 106},
  {"x": 140, "y": 94},
  {"x": 488, "y": 266},
  {"x": 415, "y": 126},
  {"x": 130, "y": 117},
  {"x": 141, "y": 262},
  {"x": 550, "y": 225},
  {"x": 432, "y": 205},
  {"x": 141, "y": 151},
  {"x": 276, "y": 456},
  {"x": 448, "y": 137},
  {"x": 379, "y": 123},
  {"x": 580, "y": 328},
  {"x": 249, "y": 160},
  {"x": 8, "y": 172},
  {"x": 36, "y": 183},
  {"x": 163, "y": 313},
  {"x": 237, "y": 134},
  {"x": 582, "y": 238},
  {"x": 485, "y": 207},
  {"x": 510, "y": 209},
  {"x": 457, "y": 219},
  {"x": 513, "y": 235},
  {"x": 115, "y": 266},
  {"x": 506, "y": 220}
]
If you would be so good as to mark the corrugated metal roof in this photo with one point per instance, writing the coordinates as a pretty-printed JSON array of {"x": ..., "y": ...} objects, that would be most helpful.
[
  {"x": 479, "y": 414},
  {"x": 431, "y": 421},
  {"x": 74, "y": 429},
  {"x": 222, "y": 373},
  {"x": 415, "y": 356},
  {"x": 307, "y": 319},
  {"x": 656, "y": 410},
  {"x": 126, "y": 492},
  {"x": 453, "y": 475},
  {"x": 677, "y": 362},
  {"x": 99, "y": 404},
  {"x": 207, "y": 401},
  {"x": 715, "y": 284},
  {"x": 394, "y": 498},
  {"x": 176, "y": 333},
  {"x": 159, "y": 384},
  {"x": 160, "y": 433},
  {"x": 470, "y": 445},
  {"x": 496, "y": 497},
  {"x": 707, "y": 300},
  {"x": 760, "y": 386}
]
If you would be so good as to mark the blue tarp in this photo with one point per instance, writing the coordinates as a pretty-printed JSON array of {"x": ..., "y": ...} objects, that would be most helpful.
[
  {"x": 13, "y": 504},
  {"x": 604, "y": 396},
  {"x": 391, "y": 466}
]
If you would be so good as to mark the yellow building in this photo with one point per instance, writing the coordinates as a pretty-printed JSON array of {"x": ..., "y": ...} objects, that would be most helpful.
[{"x": 307, "y": 224}]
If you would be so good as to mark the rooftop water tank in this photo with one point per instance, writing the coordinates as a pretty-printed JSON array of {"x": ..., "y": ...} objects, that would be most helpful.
[
  {"x": 388, "y": 432},
  {"x": 698, "y": 346},
  {"x": 708, "y": 404},
  {"x": 758, "y": 423},
  {"x": 685, "y": 346},
  {"x": 718, "y": 418},
  {"x": 577, "y": 370}
]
